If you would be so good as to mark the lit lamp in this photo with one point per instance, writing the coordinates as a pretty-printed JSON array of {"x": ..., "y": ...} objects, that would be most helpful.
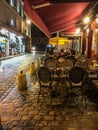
[
  {"x": 77, "y": 31},
  {"x": 86, "y": 20},
  {"x": 96, "y": 20},
  {"x": 28, "y": 22}
]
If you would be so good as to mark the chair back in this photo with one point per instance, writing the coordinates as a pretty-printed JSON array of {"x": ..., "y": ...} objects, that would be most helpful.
[
  {"x": 68, "y": 64},
  {"x": 62, "y": 64},
  {"x": 44, "y": 78},
  {"x": 90, "y": 67},
  {"x": 51, "y": 64},
  {"x": 72, "y": 58},
  {"x": 43, "y": 74},
  {"x": 81, "y": 64},
  {"x": 77, "y": 75},
  {"x": 61, "y": 59},
  {"x": 82, "y": 59}
]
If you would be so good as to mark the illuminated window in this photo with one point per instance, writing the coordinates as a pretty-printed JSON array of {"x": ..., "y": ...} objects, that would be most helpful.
[
  {"x": 12, "y": 22},
  {"x": 11, "y": 2}
]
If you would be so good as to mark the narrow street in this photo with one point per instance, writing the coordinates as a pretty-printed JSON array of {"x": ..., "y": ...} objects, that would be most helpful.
[{"x": 10, "y": 68}]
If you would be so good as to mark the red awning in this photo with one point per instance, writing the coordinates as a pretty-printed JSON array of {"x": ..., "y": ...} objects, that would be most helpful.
[
  {"x": 55, "y": 17},
  {"x": 35, "y": 18}
]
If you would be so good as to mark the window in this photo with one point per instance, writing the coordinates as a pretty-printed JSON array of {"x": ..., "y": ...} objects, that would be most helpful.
[{"x": 12, "y": 22}]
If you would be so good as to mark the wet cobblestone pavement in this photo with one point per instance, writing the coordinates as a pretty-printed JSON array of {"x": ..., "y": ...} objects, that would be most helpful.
[
  {"x": 9, "y": 70},
  {"x": 19, "y": 110}
]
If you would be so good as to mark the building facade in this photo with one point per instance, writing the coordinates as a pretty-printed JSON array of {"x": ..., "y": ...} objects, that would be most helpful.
[{"x": 15, "y": 32}]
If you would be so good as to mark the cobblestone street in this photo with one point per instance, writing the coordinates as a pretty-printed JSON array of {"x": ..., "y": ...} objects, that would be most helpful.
[
  {"x": 19, "y": 110},
  {"x": 10, "y": 69}
]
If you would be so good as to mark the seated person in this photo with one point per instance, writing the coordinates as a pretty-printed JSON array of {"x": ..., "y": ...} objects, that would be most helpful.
[
  {"x": 72, "y": 56},
  {"x": 67, "y": 52},
  {"x": 61, "y": 54},
  {"x": 50, "y": 55}
]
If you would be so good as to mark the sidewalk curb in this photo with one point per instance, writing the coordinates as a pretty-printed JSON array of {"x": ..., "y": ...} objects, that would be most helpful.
[{"x": 12, "y": 56}]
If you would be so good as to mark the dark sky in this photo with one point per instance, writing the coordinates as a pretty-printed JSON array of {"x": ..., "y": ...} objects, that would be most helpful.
[{"x": 36, "y": 34}]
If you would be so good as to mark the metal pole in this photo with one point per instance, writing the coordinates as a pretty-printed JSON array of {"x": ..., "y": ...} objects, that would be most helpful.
[{"x": 57, "y": 40}]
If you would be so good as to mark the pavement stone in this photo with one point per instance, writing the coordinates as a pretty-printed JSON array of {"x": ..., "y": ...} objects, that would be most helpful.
[{"x": 19, "y": 110}]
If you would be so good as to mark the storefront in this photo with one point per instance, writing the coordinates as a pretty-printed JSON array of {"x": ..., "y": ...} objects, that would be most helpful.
[{"x": 11, "y": 43}]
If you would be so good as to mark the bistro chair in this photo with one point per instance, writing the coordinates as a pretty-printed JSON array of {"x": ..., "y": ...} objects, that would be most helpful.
[
  {"x": 82, "y": 58},
  {"x": 92, "y": 69},
  {"x": 43, "y": 75},
  {"x": 81, "y": 63},
  {"x": 68, "y": 64},
  {"x": 76, "y": 80},
  {"x": 44, "y": 78},
  {"x": 61, "y": 59},
  {"x": 52, "y": 65},
  {"x": 72, "y": 58},
  {"x": 92, "y": 74}
]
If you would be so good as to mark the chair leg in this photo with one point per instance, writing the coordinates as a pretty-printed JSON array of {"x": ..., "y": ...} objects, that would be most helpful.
[
  {"x": 38, "y": 98},
  {"x": 51, "y": 96},
  {"x": 83, "y": 99},
  {"x": 50, "y": 100},
  {"x": 38, "y": 95}
]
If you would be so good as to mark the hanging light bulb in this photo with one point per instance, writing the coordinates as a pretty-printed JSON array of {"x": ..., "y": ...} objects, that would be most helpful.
[{"x": 86, "y": 20}]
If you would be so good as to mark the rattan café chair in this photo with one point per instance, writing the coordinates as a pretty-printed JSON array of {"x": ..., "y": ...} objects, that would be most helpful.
[
  {"x": 43, "y": 75},
  {"x": 91, "y": 69},
  {"x": 52, "y": 65},
  {"x": 76, "y": 77}
]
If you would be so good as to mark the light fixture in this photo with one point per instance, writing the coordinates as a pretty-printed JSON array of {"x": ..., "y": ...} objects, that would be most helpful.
[
  {"x": 86, "y": 20},
  {"x": 28, "y": 21},
  {"x": 33, "y": 48},
  {"x": 77, "y": 31},
  {"x": 96, "y": 20}
]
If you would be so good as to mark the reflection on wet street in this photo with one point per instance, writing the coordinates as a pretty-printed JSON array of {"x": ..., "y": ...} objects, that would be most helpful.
[
  {"x": 10, "y": 69},
  {"x": 19, "y": 110}
]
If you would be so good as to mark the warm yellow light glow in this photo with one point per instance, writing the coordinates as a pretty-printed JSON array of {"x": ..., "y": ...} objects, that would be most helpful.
[
  {"x": 78, "y": 31},
  {"x": 28, "y": 22},
  {"x": 96, "y": 30},
  {"x": 96, "y": 20},
  {"x": 86, "y": 20},
  {"x": 87, "y": 30},
  {"x": 59, "y": 41},
  {"x": 3, "y": 31}
]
